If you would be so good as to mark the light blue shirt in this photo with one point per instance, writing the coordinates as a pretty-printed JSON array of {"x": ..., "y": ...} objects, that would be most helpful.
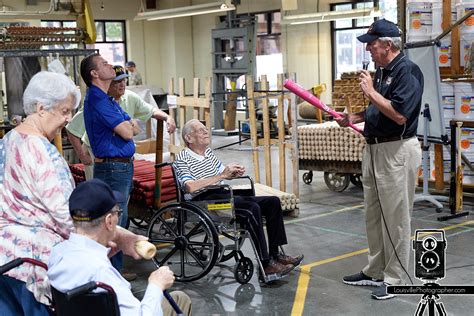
[{"x": 80, "y": 259}]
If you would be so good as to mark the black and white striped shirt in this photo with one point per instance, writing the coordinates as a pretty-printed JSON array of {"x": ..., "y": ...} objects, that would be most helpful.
[{"x": 191, "y": 166}]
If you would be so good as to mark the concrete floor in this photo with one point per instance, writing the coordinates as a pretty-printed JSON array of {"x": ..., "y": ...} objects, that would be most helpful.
[{"x": 330, "y": 232}]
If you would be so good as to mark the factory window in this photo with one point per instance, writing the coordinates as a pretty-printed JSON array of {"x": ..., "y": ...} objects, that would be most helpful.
[
  {"x": 110, "y": 41},
  {"x": 348, "y": 52},
  {"x": 269, "y": 56}
]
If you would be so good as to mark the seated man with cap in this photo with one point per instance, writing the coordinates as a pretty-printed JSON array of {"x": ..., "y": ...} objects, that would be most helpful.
[{"x": 84, "y": 257}]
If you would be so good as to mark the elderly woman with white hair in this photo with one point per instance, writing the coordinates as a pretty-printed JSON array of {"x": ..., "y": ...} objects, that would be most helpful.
[{"x": 35, "y": 185}]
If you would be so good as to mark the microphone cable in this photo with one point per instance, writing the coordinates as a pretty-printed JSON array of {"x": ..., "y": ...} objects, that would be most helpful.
[{"x": 383, "y": 216}]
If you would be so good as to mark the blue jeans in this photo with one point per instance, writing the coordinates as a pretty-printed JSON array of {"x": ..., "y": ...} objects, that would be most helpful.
[
  {"x": 119, "y": 175},
  {"x": 15, "y": 299}
]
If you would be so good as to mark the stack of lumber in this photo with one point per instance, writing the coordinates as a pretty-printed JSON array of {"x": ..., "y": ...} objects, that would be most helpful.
[
  {"x": 289, "y": 201},
  {"x": 144, "y": 183},
  {"x": 329, "y": 141},
  {"x": 347, "y": 93},
  {"x": 78, "y": 172}
]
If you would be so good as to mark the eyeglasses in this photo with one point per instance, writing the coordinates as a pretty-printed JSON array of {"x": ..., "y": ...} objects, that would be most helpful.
[
  {"x": 118, "y": 211},
  {"x": 201, "y": 131}
]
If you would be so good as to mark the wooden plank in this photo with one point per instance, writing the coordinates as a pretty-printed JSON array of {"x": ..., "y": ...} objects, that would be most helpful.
[
  {"x": 439, "y": 169},
  {"x": 261, "y": 142},
  {"x": 294, "y": 140},
  {"x": 266, "y": 133},
  {"x": 253, "y": 126},
  {"x": 196, "y": 98},
  {"x": 148, "y": 129},
  {"x": 455, "y": 51},
  {"x": 230, "y": 109},
  {"x": 172, "y": 114},
  {"x": 192, "y": 102},
  {"x": 207, "y": 110},
  {"x": 158, "y": 159},
  {"x": 319, "y": 116},
  {"x": 281, "y": 135},
  {"x": 181, "y": 108}
]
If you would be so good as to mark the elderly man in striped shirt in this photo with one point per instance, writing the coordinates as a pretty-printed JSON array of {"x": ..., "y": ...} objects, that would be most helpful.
[{"x": 198, "y": 167}]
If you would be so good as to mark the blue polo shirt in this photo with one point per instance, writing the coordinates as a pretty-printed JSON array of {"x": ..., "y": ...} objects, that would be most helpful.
[
  {"x": 401, "y": 82},
  {"x": 101, "y": 115}
]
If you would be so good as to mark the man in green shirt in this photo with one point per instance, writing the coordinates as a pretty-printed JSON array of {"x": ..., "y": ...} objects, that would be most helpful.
[{"x": 130, "y": 103}]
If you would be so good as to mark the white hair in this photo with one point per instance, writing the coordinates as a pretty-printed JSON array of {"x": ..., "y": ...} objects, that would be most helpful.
[
  {"x": 49, "y": 89},
  {"x": 188, "y": 128},
  {"x": 396, "y": 41}
]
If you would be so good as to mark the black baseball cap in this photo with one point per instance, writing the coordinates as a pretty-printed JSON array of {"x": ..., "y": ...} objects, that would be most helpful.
[
  {"x": 380, "y": 28},
  {"x": 130, "y": 63},
  {"x": 94, "y": 197},
  {"x": 120, "y": 73}
]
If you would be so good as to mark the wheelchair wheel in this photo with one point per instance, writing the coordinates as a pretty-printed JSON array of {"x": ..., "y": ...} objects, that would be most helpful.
[
  {"x": 186, "y": 239},
  {"x": 139, "y": 222},
  {"x": 243, "y": 270}
]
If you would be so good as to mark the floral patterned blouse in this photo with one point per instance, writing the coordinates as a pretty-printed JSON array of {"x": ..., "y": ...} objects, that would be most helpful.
[{"x": 35, "y": 185}]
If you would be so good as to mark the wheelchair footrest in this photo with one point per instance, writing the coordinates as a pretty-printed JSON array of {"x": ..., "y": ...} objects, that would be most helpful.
[{"x": 272, "y": 277}]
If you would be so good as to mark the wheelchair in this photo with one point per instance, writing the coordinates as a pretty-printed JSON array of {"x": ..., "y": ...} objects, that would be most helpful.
[
  {"x": 82, "y": 300},
  {"x": 190, "y": 235},
  {"x": 79, "y": 301}
]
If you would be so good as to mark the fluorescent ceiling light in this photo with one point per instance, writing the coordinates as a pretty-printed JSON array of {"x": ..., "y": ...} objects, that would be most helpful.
[
  {"x": 205, "y": 8},
  {"x": 330, "y": 16}
]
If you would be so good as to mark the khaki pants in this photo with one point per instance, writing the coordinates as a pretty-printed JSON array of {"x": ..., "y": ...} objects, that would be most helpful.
[
  {"x": 89, "y": 169},
  {"x": 389, "y": 178},
  {"x": 182, "y": 300}
]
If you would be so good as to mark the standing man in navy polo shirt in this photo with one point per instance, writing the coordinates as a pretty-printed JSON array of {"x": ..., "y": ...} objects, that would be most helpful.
[
  {"x": 391, "y": 158},
  {"x": 110, "y": 132}
]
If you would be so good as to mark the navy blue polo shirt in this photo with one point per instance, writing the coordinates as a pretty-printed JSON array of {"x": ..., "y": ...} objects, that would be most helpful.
[
  {"x": 101, "y": 115},
  {"x": 401, "y": 82}
]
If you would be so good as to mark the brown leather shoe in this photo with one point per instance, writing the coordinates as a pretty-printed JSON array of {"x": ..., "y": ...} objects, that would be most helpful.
[
  {"x": 294, "y": 261},
  {"x": 129, "y": 276},
  {"x": 275, "y": 267}
]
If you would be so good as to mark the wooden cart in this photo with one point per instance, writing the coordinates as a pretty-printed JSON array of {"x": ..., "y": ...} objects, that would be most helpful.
[{"x": 337, "y": 174}]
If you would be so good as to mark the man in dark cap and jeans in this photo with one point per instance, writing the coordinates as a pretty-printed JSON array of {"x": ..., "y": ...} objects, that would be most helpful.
[{"x": 391, "y": 158}]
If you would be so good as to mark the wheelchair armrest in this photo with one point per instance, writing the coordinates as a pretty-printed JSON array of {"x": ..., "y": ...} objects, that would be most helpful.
[
  {"x": 10, "y": 265},
  {"x": 252, "y": 187},
  {"x": 210, "y": 189},
  {"x": 19, "y": 261},
  {"x": 163, "y": 164},
  {"x": 89, "y": 286}
]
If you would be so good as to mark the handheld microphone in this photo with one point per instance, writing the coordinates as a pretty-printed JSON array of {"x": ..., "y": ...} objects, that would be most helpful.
[{"x": 365, "y": 64}]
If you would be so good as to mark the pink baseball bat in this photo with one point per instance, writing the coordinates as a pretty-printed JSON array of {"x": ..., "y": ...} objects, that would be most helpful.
[{"x": 305, "y": 95}]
